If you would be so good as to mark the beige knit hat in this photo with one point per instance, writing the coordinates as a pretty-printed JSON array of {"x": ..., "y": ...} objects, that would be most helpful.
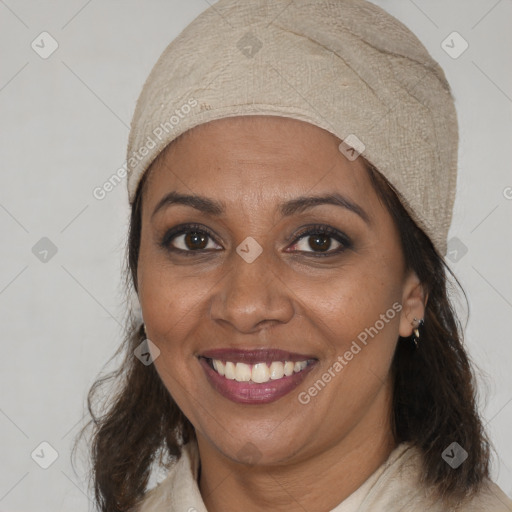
[{"x": 343, "y": 65}]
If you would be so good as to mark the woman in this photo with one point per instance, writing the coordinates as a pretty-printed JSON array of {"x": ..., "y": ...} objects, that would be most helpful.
[{"x": 292, "y": 176}]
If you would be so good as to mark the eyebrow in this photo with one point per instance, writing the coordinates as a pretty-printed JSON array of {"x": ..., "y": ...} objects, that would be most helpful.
[{"x": 296, "y": 205}]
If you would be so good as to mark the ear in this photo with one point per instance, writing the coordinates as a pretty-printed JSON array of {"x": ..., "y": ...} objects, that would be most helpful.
[{"x": 414, "y": 300}]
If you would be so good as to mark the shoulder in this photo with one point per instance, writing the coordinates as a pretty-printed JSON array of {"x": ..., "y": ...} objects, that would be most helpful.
[
  {"x": 490, "y": 498},
  {"x": 179, "y": 490},
  {"x": 157, "y": 499},
  {"x": 401, "y": 487}
]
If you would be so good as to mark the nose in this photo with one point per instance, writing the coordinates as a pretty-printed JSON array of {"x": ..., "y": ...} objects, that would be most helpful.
[{"x": 251, "y": 296}]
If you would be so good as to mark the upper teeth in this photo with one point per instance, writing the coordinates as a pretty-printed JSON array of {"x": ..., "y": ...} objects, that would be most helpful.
[{"x": 259, "y": 372}]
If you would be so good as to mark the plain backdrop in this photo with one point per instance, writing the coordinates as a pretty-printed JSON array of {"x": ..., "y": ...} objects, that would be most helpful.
[{"x": 65, "y": 121}]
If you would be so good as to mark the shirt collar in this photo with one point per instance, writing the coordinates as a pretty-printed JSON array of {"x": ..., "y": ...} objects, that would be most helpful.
[{"x": 179, "y": 491}]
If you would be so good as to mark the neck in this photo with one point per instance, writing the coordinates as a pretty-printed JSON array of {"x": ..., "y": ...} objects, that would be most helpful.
[{"x": 319, "y": 482}]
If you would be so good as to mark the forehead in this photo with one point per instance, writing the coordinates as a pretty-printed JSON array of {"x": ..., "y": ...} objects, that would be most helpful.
[{"x": 264, "y": 157}]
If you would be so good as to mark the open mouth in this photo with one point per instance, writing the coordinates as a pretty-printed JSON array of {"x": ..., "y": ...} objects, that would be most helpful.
[
  {"x": 258, "y": 376},
  {"x": 259, "y": 372}
]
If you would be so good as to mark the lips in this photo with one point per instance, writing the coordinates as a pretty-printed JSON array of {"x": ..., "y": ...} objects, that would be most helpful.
[
  {"x": 254, "y": 356},
  {"x": 255, "y": 376}
]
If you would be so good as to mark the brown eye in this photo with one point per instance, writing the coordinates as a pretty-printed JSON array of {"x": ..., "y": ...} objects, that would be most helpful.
[
  {"x": 189, "y": 239},
  {"x": 317, "y": 242},
  {"x": 320, "y": 243},
  {"x": 320, "y": 240},
  {"x": 195, "y": 240}
]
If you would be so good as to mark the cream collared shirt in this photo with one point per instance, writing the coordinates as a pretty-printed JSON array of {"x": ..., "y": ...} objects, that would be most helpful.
[{"x": 393, "y": 487}]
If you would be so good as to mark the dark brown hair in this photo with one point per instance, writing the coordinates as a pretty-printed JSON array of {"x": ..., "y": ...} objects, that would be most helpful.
[
  {"x": 434, "y": 399},
  {"x": 434, "y": 395}
]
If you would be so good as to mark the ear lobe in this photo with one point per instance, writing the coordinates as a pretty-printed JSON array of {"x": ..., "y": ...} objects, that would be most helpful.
[{"x": 414, "y": 300}]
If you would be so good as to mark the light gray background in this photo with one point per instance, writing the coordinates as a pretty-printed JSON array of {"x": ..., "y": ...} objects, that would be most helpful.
[{"x": 64, "y": 131}]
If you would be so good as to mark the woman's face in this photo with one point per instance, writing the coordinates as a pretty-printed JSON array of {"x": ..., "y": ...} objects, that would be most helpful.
[{"x": 264, "y": 248}]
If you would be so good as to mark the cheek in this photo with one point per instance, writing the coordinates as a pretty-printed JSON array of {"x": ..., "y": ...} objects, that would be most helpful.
[
  {"x": 351, "y": 299},
  {"x": 168, "y": 302},
  {"x": 171, "y": 310},
  {"x": 168, "y": 297},
  {"x": 357, "y": 314}
]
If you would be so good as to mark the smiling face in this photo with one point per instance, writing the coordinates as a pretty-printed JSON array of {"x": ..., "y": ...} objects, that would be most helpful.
[{"x": 261, "y": 243}]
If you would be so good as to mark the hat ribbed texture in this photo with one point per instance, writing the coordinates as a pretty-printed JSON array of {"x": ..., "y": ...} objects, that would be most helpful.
[{"x": 344, "y": 65}]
